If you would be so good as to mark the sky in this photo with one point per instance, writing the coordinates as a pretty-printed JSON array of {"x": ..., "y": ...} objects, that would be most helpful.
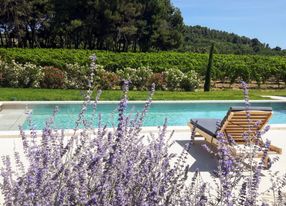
[{"x": 262, "y": 19}]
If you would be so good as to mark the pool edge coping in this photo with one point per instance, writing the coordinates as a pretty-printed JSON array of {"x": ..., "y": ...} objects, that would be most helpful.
[
  {"x": 3, "y": 103},
  {"x": 69, "y": 132}
]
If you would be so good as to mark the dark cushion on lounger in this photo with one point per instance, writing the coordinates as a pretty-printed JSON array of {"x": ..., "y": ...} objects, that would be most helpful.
[
  {"x": 267, "y": 109},
  {"x": 209, "y": 126}
]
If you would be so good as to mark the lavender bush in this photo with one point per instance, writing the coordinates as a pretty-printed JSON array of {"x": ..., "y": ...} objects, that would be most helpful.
[{"x": 121, "y": 166}]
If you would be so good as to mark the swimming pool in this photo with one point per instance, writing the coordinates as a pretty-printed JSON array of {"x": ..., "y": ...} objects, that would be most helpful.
[{"x": 177, "y": 113}]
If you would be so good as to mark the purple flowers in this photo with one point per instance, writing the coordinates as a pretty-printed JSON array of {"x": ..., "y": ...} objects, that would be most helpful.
[{"x": 92, "y": 166}]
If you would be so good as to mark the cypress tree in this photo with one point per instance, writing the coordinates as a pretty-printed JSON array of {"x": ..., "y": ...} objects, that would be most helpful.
[{"x": 207, "y": 85}]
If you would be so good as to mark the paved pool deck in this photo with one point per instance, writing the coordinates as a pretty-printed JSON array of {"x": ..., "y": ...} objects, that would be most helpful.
[
  {"x": 276, "y": 97},
  {"x": 197, "y": 157}
]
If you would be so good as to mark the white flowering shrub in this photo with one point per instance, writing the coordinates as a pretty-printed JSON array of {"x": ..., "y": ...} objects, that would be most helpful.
[
  {"x": 126, "y": 73},
  {"x": 30, "y": 75},
  {"x": 9, "y": 74},
  {"x": 190, "y": 81},
  {"x": 174, "y": 78},
  {"x": 139, "y": 77},
  {"x": 20, "y": 75},
  {"x": 76, "y": 76},
  {"x": 143, "y": 74}
]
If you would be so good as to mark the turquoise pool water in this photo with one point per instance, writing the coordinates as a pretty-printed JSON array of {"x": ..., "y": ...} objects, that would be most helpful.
[{"x": 178, "y": 114}]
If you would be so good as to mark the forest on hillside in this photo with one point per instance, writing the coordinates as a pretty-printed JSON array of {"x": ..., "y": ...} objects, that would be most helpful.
[
  {"x": 198, "y": 39},
  {"x": 121, "y": 25}
]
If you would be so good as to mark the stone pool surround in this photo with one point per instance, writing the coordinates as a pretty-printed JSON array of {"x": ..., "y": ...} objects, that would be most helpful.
[{"x": 197, "y": 157}]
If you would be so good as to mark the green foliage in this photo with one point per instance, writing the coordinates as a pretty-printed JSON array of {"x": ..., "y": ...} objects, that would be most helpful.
[
  {"x": 30, "y": 94},
  {"x": 123, "y": 25},
  {"x": 226, "y": 68},
  {"x": 198, "y": 39},
  {"x": 111, "y": 61}
]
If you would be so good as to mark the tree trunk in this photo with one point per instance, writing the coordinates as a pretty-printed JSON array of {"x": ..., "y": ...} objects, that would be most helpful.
[
  {"x": 1, "y": 39},
  {"x": 134, "y": 45},
  {"x": 33, "y": 37},
  {"x": 76, "y": 44},
  {"x": 6, "y": 38},
  {"x": 27, "y": 36}
]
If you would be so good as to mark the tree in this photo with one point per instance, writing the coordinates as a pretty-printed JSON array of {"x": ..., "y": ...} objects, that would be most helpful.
[
  {"x": 277, "y": 48},
  {"x": 13, "y": 16},
  {"x": 207, "y": 85}
]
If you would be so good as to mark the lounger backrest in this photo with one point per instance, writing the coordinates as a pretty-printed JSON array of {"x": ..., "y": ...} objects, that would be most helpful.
[{"x": 236, "y": 122}]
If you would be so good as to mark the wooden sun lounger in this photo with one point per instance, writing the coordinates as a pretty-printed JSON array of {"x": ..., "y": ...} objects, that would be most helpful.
[{"x": 235, "y": 124}]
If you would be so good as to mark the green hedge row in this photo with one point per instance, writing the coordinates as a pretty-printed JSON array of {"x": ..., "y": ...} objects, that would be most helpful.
[
  {"x": 110, "y": 60},
  {"x": 226, "y": 67}
]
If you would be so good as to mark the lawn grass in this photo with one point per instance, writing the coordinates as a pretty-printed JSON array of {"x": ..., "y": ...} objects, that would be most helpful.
[{"x": 19, "y": 94}]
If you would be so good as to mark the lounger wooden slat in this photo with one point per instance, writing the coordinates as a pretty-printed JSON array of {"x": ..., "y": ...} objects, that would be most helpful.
[
  {"x": 251, "y": 121},
  {"x": 238, "y": 126},
  {"x": 251, "y": 118},
  {"x": 252, "y": 115},
  {"x": 239, "y": 133},
  {"x": 238, "y": 130},
  {"x": 252, "y": 112}
]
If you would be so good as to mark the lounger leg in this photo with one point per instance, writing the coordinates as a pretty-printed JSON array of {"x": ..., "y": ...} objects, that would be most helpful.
[
  {"x": 267, "y": 162},
  {"x": 278, "y": 150},
  {"x": 272, "y": 148}
]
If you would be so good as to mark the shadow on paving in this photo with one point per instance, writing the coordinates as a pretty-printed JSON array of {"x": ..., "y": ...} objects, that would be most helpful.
[{"x": 204, "y": 161}]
